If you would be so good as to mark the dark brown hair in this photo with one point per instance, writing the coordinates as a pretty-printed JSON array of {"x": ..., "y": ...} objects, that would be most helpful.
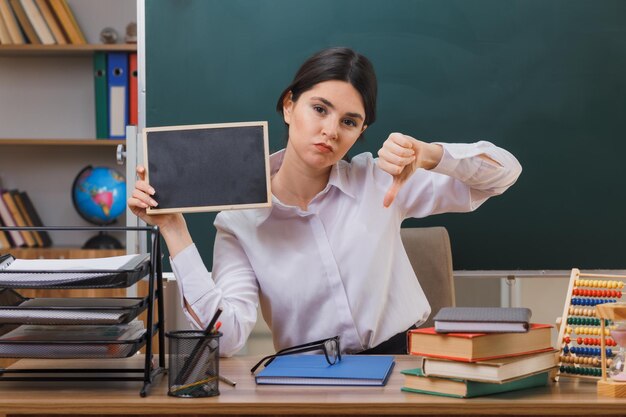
[{"x": 338, "y": 63}]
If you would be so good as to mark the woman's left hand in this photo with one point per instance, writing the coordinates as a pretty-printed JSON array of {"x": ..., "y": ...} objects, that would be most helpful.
[{"x": 401, "y": 156}]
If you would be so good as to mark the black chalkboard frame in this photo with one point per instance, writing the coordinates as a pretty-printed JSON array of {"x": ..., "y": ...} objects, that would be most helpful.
[{"x": 196, "y": 166}]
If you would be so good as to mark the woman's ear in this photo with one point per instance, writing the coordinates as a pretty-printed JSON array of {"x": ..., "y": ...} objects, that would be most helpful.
[{"x": 287, "y": 107}]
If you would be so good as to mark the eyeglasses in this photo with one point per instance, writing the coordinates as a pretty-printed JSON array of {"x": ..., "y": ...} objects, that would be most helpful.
[{"x": 330, "y": 347}]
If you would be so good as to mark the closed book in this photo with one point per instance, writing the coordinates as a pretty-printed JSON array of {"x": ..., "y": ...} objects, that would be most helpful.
[
  {"x": 70, "y": 13},
  {"x": 415, "y": 381},
  {"x": 5, "y": 36},
  {"x": 101, "y": 93},
  {"x": 11, "y": 22},
  {"x": 16, "y": 237},
  {"x": 34, "y": 216},
  {"x": 9, "y": 201},
  {"x": 65, "y": 21},
  {"x": 493, "y": 370},
  {"x": 22, "y": 209},
  {"x": 4, "y": 240},
  {"x": 24, "y": 22},
  {"x": 51, "y": 21},
  {"x": 471, "y": 347},
  {"x": 38, "y": 22},
  {"x": 482, "y": 319},
  {"x": 372, "y": 370}
]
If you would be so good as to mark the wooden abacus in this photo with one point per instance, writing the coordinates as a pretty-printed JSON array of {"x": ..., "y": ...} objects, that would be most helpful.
[{"x": 581, "y": 331}]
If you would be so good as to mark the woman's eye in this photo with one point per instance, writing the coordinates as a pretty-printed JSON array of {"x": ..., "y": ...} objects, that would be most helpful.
[
  {"x": 350, "y": 122},
  {"x": 319, "y": 109}
]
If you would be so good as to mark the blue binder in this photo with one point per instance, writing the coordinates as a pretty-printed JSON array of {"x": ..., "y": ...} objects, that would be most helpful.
[{"x": 117, "y": 77}]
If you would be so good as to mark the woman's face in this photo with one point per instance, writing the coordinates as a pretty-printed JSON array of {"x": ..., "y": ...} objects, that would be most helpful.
[{"x": 324, "y": 122}]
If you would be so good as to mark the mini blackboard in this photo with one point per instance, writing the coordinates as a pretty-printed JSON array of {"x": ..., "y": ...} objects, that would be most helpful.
[{"x": 209, "y": 167}]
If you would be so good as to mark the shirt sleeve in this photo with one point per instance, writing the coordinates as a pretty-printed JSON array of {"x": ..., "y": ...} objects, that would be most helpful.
[
  {"x": 234, "y": 289},
  {"x": 462, "y": 180}
]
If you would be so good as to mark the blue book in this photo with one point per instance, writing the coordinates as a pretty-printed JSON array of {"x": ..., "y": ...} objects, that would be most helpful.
[{"x": 372, "y": 370}]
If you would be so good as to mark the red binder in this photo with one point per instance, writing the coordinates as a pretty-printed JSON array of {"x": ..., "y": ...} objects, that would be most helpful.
[{"x": 133, "y": 93}]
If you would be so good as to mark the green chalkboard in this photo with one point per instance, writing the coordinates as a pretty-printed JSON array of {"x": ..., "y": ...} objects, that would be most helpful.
[{"x": 545, "y": 79}]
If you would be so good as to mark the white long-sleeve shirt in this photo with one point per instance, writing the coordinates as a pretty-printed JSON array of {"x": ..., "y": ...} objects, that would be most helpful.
[{"x": 338, "y": 268}]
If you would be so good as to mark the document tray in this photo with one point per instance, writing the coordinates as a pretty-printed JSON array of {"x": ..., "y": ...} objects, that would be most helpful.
[
  {"x": 69, "y": 349},
  {"x": 74, "y": 279},
  {"x": 16, "y": 309}
]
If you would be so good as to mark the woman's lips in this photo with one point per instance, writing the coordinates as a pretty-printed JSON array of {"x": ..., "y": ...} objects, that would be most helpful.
[{"x": 322, "y": 147}]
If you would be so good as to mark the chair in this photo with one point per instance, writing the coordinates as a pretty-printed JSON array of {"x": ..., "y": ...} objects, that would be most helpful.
[{"x": 429, "y": 251}]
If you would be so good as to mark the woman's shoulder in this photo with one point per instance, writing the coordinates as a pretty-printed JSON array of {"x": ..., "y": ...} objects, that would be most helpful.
[{"x": 239, "y": 218}]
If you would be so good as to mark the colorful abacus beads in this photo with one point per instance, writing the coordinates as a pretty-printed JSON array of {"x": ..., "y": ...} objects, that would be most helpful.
[
  {"x": 587, "y": 351},
  {"x": 597, "y": 293},
  {"x": 580, "y": 360},
  {"x": 595, "y": 283},
  {"x": 593, "y": 331},
  {"x": 578, "y": 311},
  {"x": 595, "y": 342},
  {"x": 586, "y": 321},
  {"x": 579, "y": 370},
  {"x": 590, "y": 301}
]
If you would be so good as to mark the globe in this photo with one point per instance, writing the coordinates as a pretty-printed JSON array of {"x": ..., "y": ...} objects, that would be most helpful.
[{"x": 99, "y": 196}]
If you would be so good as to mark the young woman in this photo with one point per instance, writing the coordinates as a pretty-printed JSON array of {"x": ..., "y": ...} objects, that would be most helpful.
[{"x": 326, "y": 259}]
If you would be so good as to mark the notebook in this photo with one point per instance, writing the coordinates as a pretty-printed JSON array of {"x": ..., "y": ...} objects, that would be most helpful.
[
  {"x": 368, "y": 370},
  {"x": 482, "y": 319}
]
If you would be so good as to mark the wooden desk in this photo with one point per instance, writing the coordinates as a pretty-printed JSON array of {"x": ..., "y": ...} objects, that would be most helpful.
[{"x": 567, "y": 397}]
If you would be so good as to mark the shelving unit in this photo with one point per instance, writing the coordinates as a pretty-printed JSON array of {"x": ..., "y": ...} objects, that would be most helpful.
[
  {"x": 92, "y": 347},
  {"x": 36, "y": 50},
  {"x": 58, "y": 152},
  {"x": 47, "y": 121},
  {"x": 62, "y": 142}
]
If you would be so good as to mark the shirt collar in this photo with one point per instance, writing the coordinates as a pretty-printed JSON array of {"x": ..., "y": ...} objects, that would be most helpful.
[{"x": 338, "y": 179}]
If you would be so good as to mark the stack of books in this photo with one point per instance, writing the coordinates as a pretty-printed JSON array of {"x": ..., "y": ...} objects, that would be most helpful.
[
  {"x": 17, "y": 209},
  {"x": 492, "y": 357},
  {"x": 39, "y": 22}
]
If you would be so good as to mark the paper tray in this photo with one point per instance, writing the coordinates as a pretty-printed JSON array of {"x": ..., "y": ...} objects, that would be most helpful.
[
  {"x": 74, "y": 279},
  {"x": 16, "y": 309},
  {"x": 71, "y": 349}
]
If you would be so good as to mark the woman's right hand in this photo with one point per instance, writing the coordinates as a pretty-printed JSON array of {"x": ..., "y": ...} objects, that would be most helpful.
[
  {"x": 142, "y": 199},
  {"x": 173, "y": 227}
]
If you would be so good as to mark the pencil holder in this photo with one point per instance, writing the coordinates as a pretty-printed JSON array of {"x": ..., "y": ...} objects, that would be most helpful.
[{"x": 193, "y": 364}]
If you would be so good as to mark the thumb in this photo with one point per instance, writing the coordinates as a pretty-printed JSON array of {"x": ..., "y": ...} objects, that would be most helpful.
[{"x": 392, "y": 192}]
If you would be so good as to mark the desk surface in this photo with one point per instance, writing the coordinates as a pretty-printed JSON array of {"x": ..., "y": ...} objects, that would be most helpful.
[{"x": 567, "y": 397}]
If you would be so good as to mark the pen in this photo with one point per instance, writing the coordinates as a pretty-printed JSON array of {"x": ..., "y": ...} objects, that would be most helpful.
[
  {"x": 227, "y": 380},
  {"x": 217, "y": 327},
  {"x": 190, "y": 362},
  {"x": 193, "y": 384},
  {"x": 213, "y": 320}
]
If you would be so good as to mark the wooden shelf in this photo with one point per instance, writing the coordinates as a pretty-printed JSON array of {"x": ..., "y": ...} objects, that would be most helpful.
[
  {"x": 35, "y": 50},
  {"x": 62, "y": 253},
  {"x": 62, "y": 142}
]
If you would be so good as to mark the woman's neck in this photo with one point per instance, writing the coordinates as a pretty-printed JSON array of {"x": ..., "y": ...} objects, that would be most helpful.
[{"x": 295, "y": 183}]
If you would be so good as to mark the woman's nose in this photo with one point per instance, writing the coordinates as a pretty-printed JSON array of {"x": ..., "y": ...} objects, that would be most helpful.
[{"x": 329, "y": 128}]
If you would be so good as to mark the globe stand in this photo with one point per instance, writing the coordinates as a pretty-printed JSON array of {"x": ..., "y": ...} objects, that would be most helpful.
[{"x": 103, "y": 241}]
